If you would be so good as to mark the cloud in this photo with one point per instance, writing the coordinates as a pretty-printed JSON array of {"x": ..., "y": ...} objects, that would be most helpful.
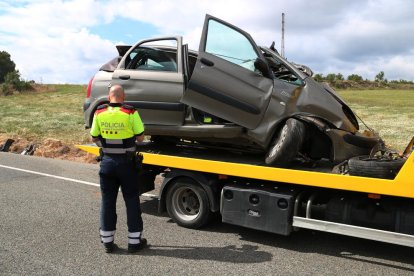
[
  {"x": 50, "y": 41},
  {"x": 53, "y": 40}
]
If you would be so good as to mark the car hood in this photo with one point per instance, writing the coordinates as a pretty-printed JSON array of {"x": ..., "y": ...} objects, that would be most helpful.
[
  {"x": 317, "y": 99},
  {"x": 321, "y": 101}
]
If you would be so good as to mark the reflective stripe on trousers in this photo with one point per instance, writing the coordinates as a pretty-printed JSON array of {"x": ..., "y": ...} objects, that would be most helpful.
[
  {"x": 134, "y": 237},
  {"x": 107, "y": 236}
]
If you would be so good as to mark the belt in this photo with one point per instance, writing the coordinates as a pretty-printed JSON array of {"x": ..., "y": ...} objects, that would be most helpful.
[{"x": 118, "y": 150}]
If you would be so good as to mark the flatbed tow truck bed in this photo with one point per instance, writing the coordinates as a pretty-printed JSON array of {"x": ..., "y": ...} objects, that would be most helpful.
[{"x": 198, "y": 182}]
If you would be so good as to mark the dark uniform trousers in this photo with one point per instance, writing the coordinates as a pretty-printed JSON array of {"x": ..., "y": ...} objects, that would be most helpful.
[{"x": 118, "y": 171}]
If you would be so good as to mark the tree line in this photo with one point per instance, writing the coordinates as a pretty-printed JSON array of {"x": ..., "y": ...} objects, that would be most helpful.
[
  {"x": 380, "y": 77},
  {"x": 355, "y": 81}
]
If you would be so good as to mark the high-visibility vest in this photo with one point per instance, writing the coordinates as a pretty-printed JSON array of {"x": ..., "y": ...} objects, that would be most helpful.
[{"x": 117, "y": 125}]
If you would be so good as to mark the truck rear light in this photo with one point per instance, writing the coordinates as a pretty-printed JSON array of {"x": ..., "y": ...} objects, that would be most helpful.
[{"x": 88, "y": 90}]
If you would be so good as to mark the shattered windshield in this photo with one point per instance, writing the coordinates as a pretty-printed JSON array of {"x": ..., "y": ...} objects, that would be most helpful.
[{"x": 280, "y": 70}]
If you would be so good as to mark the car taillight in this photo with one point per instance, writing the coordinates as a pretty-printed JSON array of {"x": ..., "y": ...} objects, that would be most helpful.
[{"x": 88, "y": 90}]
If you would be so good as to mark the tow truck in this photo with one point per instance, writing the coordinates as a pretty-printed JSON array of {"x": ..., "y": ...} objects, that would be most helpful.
[{"x": 199, "y": 183}]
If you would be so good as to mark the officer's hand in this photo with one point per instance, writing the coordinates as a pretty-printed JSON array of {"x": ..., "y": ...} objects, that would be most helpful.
[{"x": 97, "y": 141}]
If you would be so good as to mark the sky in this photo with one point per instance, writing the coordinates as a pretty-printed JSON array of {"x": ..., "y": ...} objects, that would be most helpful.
[{"x": 67, "y": 41}]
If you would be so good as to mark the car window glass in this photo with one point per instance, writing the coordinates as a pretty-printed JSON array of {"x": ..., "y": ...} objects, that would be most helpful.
[
  {"x": 131, "y": 57},
  {"x": 153, "y": 57},
  {"x": 229, "y": 44}
]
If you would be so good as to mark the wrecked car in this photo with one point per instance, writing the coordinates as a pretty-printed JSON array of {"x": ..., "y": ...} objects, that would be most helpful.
[{"x": 231, "y": 94}]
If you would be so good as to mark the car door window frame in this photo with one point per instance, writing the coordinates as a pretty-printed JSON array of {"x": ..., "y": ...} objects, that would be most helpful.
[
  {"x": 148, "y": 55},
  {"x": 179, "y": 63}
]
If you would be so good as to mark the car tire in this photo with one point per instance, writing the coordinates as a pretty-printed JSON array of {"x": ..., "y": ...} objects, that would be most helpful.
[
  {"x": 286, "y": 144},
  {"x": 377, "y": 168},
  {"x": 187, "y": 204}
]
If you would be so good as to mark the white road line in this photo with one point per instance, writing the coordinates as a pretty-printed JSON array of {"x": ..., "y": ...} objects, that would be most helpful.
[
  {"x": 51, "y": 175},
  {"x": 62, "y": 178}
]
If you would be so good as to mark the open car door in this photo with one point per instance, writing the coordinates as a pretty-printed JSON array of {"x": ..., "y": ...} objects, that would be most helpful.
[
  {"x": 151, "y": 73},
  {"x": 226, "y": 80}
]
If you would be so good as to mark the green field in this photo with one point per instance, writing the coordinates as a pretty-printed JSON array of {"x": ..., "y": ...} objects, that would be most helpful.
[
  {"x": 389, "y": 112},
  {"x": 57, "y": 113}
]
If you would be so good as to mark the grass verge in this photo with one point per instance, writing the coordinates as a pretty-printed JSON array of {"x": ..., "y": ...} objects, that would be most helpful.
[
  {"x": 389, "y": 112},
  {"x": 56, "y": 112}
]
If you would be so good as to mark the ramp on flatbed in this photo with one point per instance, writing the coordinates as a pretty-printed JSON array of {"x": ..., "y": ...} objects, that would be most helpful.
[{"x": 250, "y": 166}]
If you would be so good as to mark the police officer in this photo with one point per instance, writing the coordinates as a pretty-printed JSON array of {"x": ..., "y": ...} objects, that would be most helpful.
[{"x": 116, "y": 127}]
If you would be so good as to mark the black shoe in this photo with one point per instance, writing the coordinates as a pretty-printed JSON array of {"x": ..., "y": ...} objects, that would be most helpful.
[
  {"x": 133, "y": 248},
  {"x": 109, "y": 247}
]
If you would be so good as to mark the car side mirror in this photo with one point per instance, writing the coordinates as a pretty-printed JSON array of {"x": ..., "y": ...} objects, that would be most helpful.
[{"x": 263, "y": 67}]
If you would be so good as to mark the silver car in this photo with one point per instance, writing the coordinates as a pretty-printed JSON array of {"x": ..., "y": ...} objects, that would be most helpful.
[{"x": 231, "y": 94}]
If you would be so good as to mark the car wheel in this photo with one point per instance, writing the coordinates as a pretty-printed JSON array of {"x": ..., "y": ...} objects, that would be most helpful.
[
  {"x": 373, "y": 167},
  {"x": 286, "y": 144},
  {"x": 187, "y": 204}
]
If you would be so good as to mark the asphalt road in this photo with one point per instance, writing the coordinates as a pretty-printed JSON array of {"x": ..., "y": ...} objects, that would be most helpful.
[{"x": 49, "y": 225}]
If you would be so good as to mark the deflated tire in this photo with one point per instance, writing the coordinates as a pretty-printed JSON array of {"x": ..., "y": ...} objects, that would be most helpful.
[
  {"x": 372, "y": 167},
  {"x": 286, "y": 144}
]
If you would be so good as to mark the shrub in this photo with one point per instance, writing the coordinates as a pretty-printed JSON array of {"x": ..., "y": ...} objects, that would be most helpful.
[
  {"x": 6, "y": 89},
  {"x": 330, "y": 77},
  {"x": 318, "y": 77},
  {"x": 13, "y": 82},
  {"x": 354, "y": 77}
]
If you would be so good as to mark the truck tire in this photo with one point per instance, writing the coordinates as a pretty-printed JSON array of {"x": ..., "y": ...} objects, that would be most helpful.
[
  {"x": 187, "y": 204},
  {"x": 286, "y": 144},
  {"x": 377, "y": 168}
]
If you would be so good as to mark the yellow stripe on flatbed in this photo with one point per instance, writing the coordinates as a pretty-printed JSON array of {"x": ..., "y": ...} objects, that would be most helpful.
[{"x": 402, "y": 185}]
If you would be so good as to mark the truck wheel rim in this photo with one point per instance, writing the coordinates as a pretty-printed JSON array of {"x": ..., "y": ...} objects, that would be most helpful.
[{"x": 186, "y": 203}]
